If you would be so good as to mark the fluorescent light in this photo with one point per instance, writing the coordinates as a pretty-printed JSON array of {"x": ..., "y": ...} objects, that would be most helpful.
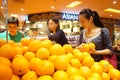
[
  {"x": 73, "y": 4},
  {"x": 112, "y": 10},
  {"x": 114, "y": 2},
  {"x": 14, "y": 15}
]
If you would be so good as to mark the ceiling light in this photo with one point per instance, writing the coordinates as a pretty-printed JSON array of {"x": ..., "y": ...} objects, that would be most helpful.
[
  {"x": 110, "y": 15},
  {"x": 73, "y": 4},
  {"x": 1, "y": 7},
  {"x": 112, "y": 10},
  {"x": 22, "y": 9},
  {"x": 114, "y": 2},
  {"x": 52, "y": 7}
]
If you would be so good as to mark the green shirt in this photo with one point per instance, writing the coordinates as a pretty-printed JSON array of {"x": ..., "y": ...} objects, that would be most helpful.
[{"x": 16, "y": 38}]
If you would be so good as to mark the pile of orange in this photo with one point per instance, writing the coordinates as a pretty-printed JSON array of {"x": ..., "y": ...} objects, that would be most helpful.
[
  {"x": 42, "y": 60},
  {"x": 86, "y": 47}
]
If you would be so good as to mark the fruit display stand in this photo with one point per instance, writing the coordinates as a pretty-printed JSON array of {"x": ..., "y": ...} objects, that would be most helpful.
[
  {"x": 42, "y": 60},
  {"x": 33, "y": 59}
]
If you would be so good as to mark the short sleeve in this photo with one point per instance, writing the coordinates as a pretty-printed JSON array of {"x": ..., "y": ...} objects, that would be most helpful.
[{"x": 106, "y": 38}]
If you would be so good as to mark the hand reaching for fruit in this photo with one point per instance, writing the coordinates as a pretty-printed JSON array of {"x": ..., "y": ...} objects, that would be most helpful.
[
  {"x": 92, "y": 50},
  {"x": 87, "y": 47}
]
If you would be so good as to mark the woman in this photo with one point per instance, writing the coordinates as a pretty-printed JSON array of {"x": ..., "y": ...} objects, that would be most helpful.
[
  {"x": 56, "y": 34},
  {"x": 95, "y": 32}
]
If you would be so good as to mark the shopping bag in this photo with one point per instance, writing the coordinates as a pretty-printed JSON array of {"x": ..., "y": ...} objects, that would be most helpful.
[{"x": 111, "y": 59}]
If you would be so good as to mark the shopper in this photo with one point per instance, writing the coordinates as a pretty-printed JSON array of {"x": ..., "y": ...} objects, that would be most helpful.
[
  {"x": 13, "y": 33},
  {"x": 56, "y": 34},
  {"x": 94, "y": 32}
]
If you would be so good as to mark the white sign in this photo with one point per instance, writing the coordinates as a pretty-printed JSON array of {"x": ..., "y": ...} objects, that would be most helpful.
[{"x": 70, "y": 16}]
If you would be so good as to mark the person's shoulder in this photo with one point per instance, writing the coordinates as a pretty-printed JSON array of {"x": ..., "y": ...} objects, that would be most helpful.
[
  {"x": 59, "y": 30},
  {"x": 105, "y": 30},
  {"x": 3, "y": 33}
]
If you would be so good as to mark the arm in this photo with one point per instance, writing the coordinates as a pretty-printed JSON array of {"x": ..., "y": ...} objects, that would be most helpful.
[
  {"x": 106, "y": 42},
  {"x": 100, "y": 52},
  {"x": 56, "y": 36}
]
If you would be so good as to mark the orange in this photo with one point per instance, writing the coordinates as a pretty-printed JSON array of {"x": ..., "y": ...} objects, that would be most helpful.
[
  {"x": 46, "y": 44},
  {"x": 92, "y": 45},
  {"x": 49, "y": 41},
  {"x": 86, "y": 54},
  {"x": 29, "y": 55},
  {"x": 61, "y": 62},
  {"x": 45, "y": 77},
  {"x": 75, "y": 63},
  {"x": 5, "y": 60},
  {"x": 43, "y": 53},
  {"x": 34, "y": 62},
  {"x": 11, "y": 42},
  {"x": 20, "y": 65},
  {"x": 46, "y": 67},
  {"x": 96, "y": 75},
  {"x": 34, "y": 45},
  {"x": 5, "y": 72},
  {"x": 52, "y": 58},
  {"x": 105, "y": 76},
  {"x": 68, "y": 48},
  {"x": 17, "y": 45},
  {"x": 105, "y": 65},
  {"x": 77, "y": 54},
  {"x": 18, "y": 50},
  {"x": 30, "y": 75},
  {"x": 114, "y": 74},
  {"x": 92, "y": 78},
  {"x": 25, "y": 41},
  {"x": 57, "y": 49},
  {"x": 77, "y": 77},
  {"x": 84, "y": 47},
  {"x": 15, "y": 77},
  {"x": 25, "y": 49},
  {"x": 75, "y": 50},
  {"x": 2, "y": 42},
  {"x": 70, "y": 55},
  {"x": 60, "y": 75},
  {"x": 88, "y": 61},
  {"x": 72, "y": 71},
  {"x": 7, "y": 50},
  {"x": 85, "y": 71},
  {"x": 96, "y": 68}
]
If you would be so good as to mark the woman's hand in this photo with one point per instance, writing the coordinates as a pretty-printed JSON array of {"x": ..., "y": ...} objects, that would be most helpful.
[
  {"x": 92, "y": 51},
  {"x": 78, "y": 47}
]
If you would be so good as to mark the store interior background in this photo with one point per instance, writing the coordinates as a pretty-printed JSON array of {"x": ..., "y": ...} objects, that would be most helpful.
[{"x": 23, "y": 8}]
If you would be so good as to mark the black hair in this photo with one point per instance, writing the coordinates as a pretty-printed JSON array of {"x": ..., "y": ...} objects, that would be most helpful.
[
  {"x": 13, "y": 20},
  {"x": 96, "y": 19},
  {"x": 54, "y": 20}
]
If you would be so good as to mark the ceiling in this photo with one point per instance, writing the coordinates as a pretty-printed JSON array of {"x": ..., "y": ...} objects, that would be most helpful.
[{"x": 39, "y": 6}]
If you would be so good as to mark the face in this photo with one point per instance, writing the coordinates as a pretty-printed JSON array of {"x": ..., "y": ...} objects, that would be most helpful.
[
  {"x": 84, "y": 21},
  {"x": 52, "y": 25},
  {"x": 12, "y": 28}
]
